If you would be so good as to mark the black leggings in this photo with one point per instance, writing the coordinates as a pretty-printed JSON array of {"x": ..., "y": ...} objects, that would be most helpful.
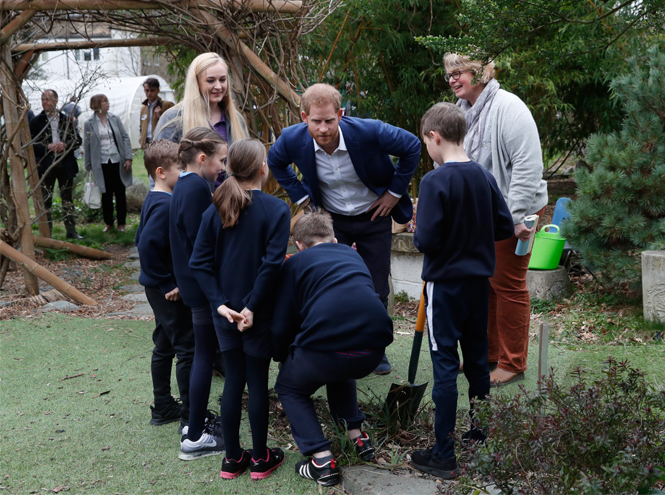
[
  {"x": 200, "y": 377},
  {"x": 242, "y": 369}
]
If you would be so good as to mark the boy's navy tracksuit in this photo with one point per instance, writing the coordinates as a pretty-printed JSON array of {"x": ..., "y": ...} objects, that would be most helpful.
[
  {"x": 461, "y": 213},
  {"x": 237, "y": 267},
  {"x": 329, "y": 328},
  {"x": 173, "y": 335}
]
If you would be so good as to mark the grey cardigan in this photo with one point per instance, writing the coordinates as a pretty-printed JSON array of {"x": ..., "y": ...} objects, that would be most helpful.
[
  {"x": 92, "y": 149},
  {"x": 511, "y": 152},
  {"x": 173, "y": 131}
]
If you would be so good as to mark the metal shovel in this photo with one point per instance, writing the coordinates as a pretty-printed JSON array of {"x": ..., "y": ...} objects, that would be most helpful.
[{"x": 403, "y": 401}]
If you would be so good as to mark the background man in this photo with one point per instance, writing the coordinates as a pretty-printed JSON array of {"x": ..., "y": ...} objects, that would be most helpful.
[
  {"x": 55, "y": 139},
  {"x": 347, "y": 169},
  {"x": 151, "y": 110}
]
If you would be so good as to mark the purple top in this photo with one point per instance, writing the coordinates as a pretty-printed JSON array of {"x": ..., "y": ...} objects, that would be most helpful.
[{"x": 220, "y": 128}]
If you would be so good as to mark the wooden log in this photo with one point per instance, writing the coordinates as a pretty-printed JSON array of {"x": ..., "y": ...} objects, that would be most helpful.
[
  {"x": 80, "y": 44},
  {"x": 18, "y": 188},
  {"x": 16, "y": 23},
  {"x": 83, "y": 251},
  {"x": 282, "y": 6},
  {"x": 33, "y": 179},
  {"x": 41, "y": 272}
]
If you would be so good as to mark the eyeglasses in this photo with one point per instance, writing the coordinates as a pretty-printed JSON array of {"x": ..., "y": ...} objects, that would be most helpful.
[{"x": 456, "y": 75}]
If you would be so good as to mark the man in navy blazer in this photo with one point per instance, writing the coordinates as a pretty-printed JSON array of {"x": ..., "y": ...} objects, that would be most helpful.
[{"x": 347, "y": 169}]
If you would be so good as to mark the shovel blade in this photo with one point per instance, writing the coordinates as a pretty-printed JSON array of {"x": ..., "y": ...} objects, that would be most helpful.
[{"x": 403, "y": 402}]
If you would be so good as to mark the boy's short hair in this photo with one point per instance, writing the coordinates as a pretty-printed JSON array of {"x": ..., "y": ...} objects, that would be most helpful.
[
  {"x": 446, "y": 119},
  {"x": 321, "y": 95},
  {"x": 314, "y": 227},
  {"x": 161, "y": 153},
  {"x": 152, "y": 82}
]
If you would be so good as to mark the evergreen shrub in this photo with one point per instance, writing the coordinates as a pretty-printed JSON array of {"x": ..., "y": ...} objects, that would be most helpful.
[{"x": 620, "y": 205}]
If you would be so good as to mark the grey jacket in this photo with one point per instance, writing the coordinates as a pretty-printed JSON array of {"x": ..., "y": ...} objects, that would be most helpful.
[
  {"x": 173, "y": 131},
  {"x": 92, "y": 149},
  {"x": 511, "y": 152}
]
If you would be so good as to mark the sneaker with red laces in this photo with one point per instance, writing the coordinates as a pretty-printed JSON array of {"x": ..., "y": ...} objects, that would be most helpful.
[
  {"x": 326, "y": 474},
  {"x": 364, "y": 447},
  {"x": 231, "y": 468},
  {"x": 262, "y": 468}
]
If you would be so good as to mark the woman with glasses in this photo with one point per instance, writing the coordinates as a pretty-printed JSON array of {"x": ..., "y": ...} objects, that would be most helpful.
[{"x": 503, "y": 138}]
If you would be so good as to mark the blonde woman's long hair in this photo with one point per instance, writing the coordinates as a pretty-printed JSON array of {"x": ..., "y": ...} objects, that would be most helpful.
[{"x": 195, "y": 105}]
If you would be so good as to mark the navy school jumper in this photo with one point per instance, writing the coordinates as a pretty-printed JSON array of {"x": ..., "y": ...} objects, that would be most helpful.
[
  {"x": 152, "y": 241},
  {"x": 326, "y": 302},
  {"x": 191, "y": 198},
  {"x": 239, "y": 266},
  {"x": 461, "y": 213}
]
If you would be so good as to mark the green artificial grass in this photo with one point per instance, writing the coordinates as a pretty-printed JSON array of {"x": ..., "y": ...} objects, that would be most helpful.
[{"x": 75, "y": 396}]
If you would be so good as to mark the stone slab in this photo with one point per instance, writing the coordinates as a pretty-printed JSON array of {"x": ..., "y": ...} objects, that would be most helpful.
[
  {"x": 59, "y": 306},
  {"x": 133, "y": 264},
  {"x": 137, "y": 297},
  {"x": 549, "y": 284},
  {"x": 365, "y": 480},
  {"x": 132, "y": 288},
  {"x": 653, "y": 285},
  {"x": 406, "y": 269},
  {"x": 135, "y": 276},
  {"x": 403, "y": 242},
  {"x": 133, "y": 256}
]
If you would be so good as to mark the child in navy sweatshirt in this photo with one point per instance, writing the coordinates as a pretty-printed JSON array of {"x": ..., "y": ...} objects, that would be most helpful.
[
  {"x": 202, "y": 154},
  {"x": 330, "y": 328},
  {"x": 461, "y": 213},
  {"x": 173, "y": 335},
  {"x": 237, "y": 256}
]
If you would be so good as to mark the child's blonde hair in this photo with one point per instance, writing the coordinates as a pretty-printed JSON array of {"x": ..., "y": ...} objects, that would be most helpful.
[{"x": 243, "y": 164}]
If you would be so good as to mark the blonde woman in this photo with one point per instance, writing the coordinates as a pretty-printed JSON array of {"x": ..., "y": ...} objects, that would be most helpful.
[
  {"x": 503, "y": 138},
  {"x": 108, "y": 153},
  {"x": 207, "y": 102}
]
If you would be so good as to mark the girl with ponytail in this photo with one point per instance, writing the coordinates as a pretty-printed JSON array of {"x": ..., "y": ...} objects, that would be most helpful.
[{"x": 237, "y": 256}]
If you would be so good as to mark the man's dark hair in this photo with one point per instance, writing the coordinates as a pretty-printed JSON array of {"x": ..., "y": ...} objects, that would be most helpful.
[
  {"x": 53, "y": 92},
  {"x": 152, "y": 82},
  {"x": 315, "y": 227},
  {"x": 447, "y": 120},
  {"x": 160, "y": 153}
]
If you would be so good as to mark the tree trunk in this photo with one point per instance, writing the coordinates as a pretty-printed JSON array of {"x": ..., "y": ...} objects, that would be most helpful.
[{"x": 83, "y": 251}]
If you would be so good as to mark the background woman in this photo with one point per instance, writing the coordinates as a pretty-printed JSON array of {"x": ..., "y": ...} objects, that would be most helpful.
[
  {"x": 207, "y": 102},
  {"x": 502, "y": 137},
  {"x": 108, "y": 153}
]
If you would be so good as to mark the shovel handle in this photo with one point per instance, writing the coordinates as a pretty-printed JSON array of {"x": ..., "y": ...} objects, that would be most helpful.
[{"x": 417, "y": 339}]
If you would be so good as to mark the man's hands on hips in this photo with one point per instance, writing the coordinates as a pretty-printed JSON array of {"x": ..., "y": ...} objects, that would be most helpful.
[
  {"x": 57, "y": 147},
  {"x": 384, "y": 205}
]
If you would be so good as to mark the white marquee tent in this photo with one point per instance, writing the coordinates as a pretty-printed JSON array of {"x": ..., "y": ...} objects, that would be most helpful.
[{"x": 125, "y": 97}]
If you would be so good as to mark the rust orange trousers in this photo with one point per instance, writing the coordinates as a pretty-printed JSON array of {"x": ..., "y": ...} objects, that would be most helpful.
[{"x": 509, "y": 308}]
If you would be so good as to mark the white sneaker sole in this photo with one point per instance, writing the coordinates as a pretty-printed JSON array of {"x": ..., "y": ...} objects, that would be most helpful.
[{"x": 191, "y": 456}]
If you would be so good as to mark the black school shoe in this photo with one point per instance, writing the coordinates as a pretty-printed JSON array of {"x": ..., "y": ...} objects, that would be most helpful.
[
  {"x": 262, "y": 468},
  {"x": 474, "y": 435},
  {"x": 231, "y": 469},
  {"x": 326, "y": 474},
  {"x": 364, "y": 447},
  {"x": 446, "y": 469},
  {"x": 168, "y": 414}
]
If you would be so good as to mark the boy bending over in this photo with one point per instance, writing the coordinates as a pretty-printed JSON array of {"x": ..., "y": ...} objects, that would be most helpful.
[
  {"x": 329, "y": 328},
  {"x": 461, "y": 213}
]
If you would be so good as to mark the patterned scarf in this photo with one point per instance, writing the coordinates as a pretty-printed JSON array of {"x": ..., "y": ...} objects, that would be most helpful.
[{"x": 477, "y": 118}]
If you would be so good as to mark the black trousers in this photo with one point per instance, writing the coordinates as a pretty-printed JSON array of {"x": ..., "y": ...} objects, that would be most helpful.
[
  {"x": 373, "y": 241},
  {"x": 66, "y": 185},
  {"x": 173, "y": 336},
  {"x": 115, "y": 186}
]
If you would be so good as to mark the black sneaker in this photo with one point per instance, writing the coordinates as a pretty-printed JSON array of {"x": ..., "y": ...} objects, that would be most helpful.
[
  {"x": 167, "y": 415},
  {"x": 446, "y": 469},
  {"x": 262, "y": 468},
  {"x": 474, "y": 435},
  {"x": 326, "y": 474},
  {"x": 231, "y": 469},
  {"x": 364, "y": 447}
]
